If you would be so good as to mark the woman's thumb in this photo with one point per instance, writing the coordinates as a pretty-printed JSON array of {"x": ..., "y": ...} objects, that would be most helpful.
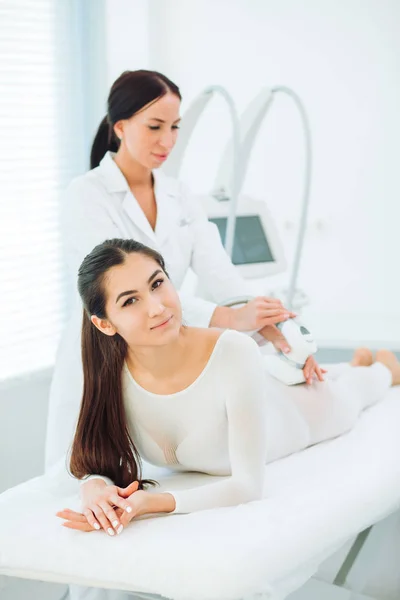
[
  {"x": 130, "y": 489},
  {"x": 282, "y": 345}
]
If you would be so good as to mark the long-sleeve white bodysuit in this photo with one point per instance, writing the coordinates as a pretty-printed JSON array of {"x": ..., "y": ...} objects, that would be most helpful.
[{"x": 234, "y": 418}]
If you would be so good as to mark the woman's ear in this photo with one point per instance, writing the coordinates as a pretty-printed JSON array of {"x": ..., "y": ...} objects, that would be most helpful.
[
  {"x": 119, "y": 129},
  {"x": 103, "y": 325}
]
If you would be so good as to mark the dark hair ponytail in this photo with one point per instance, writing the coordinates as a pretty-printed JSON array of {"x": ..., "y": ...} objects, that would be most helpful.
[
  {"x": 131, "y": 92},
  {"x": 102, "y": 444},
  {"x": 104, "y": 140}
]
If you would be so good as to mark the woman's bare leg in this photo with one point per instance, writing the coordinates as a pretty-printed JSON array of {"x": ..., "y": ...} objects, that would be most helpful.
[
  {"x": 362, "y": 357},
  {"x": 390, "y": 361}
]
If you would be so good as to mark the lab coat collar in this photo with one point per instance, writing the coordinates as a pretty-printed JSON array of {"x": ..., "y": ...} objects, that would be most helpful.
[
  {"x": 165, "y": 188},
  {"x": 111, "y": 175}
]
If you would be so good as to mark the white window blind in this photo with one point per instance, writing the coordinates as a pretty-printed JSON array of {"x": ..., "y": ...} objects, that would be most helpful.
[{"x": 36, "y": 161}]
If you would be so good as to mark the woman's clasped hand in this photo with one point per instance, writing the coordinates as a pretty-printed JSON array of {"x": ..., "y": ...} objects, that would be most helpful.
[{"x": 107, "y": 507}]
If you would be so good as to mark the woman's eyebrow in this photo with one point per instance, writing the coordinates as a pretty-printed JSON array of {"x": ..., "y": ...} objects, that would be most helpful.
[
  {"x": 150, "y": 279},
  {"x": 162, "y": 121}
]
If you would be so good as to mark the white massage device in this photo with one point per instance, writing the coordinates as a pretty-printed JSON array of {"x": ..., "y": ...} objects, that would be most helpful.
[
  {"x": 313, "y": 503},
  {"x": 288, "y": 368}
]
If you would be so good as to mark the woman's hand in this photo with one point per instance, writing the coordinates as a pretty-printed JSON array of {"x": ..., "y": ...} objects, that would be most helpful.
[
  {"x": 312, "y": 369},
  {"x": 272, "y": 334},
  {"x": 259, "y": 313},
  {"x": 103, "y": 507},
  {"x": 136, "y": 501}
]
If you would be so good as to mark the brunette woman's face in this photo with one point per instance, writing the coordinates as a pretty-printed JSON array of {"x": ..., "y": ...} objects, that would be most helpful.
[
  {"x": 142, "y": 304},
  {"x": 149, "y": 136}
]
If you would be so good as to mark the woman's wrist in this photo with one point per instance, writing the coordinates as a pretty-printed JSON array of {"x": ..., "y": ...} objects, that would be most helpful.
[
  {"x": 159, "y": 503},
  {"x": 223, "y": 317},
  {"x": 91, "y": 485}
]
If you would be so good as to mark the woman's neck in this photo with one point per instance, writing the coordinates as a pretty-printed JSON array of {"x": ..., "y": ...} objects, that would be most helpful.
[
  {"x": 160, "y": 362},
  {"x": 135, "y": 174}
]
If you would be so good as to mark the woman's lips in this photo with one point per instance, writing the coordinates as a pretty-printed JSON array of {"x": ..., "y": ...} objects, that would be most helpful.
[
  {"x": 161, "y": 156},
  {"x": 162, "y": 324}
]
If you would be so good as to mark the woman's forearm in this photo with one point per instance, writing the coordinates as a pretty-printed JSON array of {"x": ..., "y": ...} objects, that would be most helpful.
[
  {"x": 223, "y": 317},
  {"x": 159, "y": 503}
]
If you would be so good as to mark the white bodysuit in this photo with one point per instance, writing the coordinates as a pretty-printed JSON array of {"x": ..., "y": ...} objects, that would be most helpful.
[{"x": 234, "y": 418}]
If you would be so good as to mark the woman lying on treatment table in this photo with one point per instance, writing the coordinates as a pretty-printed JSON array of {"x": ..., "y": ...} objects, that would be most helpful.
[{"x": 186, "y": 398}]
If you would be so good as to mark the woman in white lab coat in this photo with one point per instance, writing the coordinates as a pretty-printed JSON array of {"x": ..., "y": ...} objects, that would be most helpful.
[{"x": 125, "y": 195}]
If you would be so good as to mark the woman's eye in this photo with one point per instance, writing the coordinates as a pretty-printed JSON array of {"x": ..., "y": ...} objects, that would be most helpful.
[
  {"x": 129, "y": 302},
  {"x": 157, "y": 283},
  {"x": 156, "y": 127}
]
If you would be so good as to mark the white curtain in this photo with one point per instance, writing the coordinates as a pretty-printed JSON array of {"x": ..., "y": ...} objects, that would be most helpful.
[{"x": 42, "y": 146}]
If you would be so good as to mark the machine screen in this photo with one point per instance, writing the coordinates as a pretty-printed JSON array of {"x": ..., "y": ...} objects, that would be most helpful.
[{"x": 250, "y": 244}]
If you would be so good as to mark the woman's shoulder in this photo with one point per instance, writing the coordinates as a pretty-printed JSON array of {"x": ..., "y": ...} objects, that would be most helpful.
[
  {"x": 85, "y": 195},
  {"x": 237, "y": 342},
  {"x": 85, "y": 183},
  {"x": 230, "y": 344},
  {"x": 237, "y": 359}
]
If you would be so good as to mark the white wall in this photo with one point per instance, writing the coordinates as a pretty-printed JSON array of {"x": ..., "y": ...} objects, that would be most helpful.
[
  {"x": 127, "y": 31},
  {"x": 343, "y": 59},
  {"x": 23, "y": 418}
]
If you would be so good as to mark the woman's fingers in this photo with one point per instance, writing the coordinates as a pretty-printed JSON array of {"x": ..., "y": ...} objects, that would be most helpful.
[
  {"x": 121, "y": 502},
  {"x": 318, "y": 372},
  {"x": 312, "y": 368},
  {"x": 272, "y": 312},
  {"x": 71, "y": 515},
  {"x": 308, "y": 370},
  {"x": 276, "y": 337},
  {"x": 90, "y": 518},
  {"x": 266, "y": 318},
  {"x": 85, "y": 521},
  {"x": 102, "y": 519},
  {"x": 273, "y": 302},
  {"x": 127, "y": 517},
  {"x": 78, "y": 526},
  {"x": 111, "y": 516},
  {"x": 99, "y": 515},
  {"x": 74, "y": 517},
  {"x": 265, "y": 321},
  {"x": 130, "y": 489},
  {"x": 78, "y": 521}
]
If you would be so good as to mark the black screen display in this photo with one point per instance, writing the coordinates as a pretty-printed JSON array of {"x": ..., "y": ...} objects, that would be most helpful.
[{"x": 250, "y": 244}]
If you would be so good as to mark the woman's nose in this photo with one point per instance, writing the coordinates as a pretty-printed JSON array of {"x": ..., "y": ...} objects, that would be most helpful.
[
  {"x": 167, "y": 140},
  {"x": 155, "y": 308}
]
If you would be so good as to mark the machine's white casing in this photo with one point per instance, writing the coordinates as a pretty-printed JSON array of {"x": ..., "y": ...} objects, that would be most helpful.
[
  {"x": 288, "y": 368},
  {"x": 248, "y": 206}
]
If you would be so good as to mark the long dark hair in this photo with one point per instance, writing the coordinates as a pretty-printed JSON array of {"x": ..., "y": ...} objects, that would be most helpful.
[
  {"x": 128, "y": 95},
  {"x": 102, "y": 444}
]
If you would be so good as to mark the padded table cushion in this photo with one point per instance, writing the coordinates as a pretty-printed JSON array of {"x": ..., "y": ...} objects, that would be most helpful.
[{"x": 314, "y": 501}]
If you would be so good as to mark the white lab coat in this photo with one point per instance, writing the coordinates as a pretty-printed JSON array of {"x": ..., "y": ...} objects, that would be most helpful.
[{"x": 100, "y": 205}]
